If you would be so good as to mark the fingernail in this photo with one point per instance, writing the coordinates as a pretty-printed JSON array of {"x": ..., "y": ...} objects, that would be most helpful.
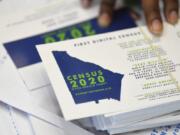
[
  {"x": 86, "y": 3},
  {"x": 104, "y": 20},
  {"x": 173, "y": 17},
  {"x": 156, "y": 26}
]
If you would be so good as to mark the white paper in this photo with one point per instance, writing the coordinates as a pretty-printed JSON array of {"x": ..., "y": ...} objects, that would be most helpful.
[
  {"x": 18, "y": 89},
  {"x": 84, "y": 50}
]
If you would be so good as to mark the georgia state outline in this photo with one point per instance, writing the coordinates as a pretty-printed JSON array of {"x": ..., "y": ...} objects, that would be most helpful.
[{"x": 87, "y": 81}]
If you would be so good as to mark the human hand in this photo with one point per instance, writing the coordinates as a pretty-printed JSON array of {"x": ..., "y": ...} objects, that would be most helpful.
[{"x": 151, "y": 11}]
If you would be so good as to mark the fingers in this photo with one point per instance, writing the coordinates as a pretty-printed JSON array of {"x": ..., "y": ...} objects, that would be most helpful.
[
  {"x": 152, "y": 15},
  {"x": 106, "y": 12},
  {"x": 171, "y": 11},
  {"x": 86, "y": 3}
]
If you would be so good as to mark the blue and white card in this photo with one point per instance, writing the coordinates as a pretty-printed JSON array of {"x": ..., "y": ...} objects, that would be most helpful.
[{"x": 115, "y": 73}]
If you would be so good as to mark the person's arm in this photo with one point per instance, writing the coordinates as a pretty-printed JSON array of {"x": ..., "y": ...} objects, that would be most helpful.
[{"x": 151, "y": 11}]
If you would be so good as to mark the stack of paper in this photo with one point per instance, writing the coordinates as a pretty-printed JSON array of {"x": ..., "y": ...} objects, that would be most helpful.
[
  {"x": 166, "y": 130},
  {"x": 28, "y": 104},
  {"x": 18, "y": 112},
  {"x": 20, "y": 32},
  {"x": 125, "y": 80}
]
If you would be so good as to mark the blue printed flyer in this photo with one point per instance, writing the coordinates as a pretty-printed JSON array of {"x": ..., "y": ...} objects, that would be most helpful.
[{"x": 115, "y": 73}]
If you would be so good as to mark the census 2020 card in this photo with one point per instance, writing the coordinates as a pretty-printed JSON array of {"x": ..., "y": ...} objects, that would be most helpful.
[{"x": 121, "y": 71}]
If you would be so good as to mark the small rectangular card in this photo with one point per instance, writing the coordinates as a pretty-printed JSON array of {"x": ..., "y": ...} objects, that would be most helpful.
[{"x": 118, "y": 72}]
